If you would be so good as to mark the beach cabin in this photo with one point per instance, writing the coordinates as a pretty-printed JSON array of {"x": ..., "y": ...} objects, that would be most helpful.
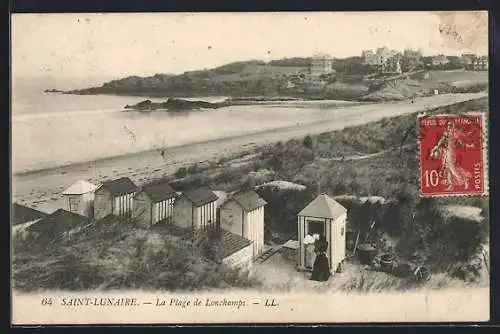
[
  {"x": 243, "y": 214},
  {"x": 115, "y": 197},
  {"x": 23, "y": 217},
  {"x": 322, "y": 217},
  {"x": 231, "y": 249},
  {"x": 80, "y": 198},
  {"x": 196, "y": 209},
  {"x": 154, "y": 203},
  {"x": 60, "y": 224}
]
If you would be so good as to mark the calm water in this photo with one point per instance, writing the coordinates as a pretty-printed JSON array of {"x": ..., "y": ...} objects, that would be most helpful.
[{"x": 54, "y": 129}]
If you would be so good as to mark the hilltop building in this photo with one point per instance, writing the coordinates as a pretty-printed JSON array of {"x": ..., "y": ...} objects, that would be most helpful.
[
  {"x": 392, "y": 65},
  {"x": 243, "y": 215},
  {"x": 440, "y": 60},
  {"x": 115, "y": 197},
  {"x": 80, "y": 198},
  {"x": 322, "y": 217},
  {"x": 368, "y": 57},
  {"x": 154, "y": 203},
  {"x": 480, "y": 63},
  {"x": 467, "y": 60},
  {"x": 321, "y": 64}
]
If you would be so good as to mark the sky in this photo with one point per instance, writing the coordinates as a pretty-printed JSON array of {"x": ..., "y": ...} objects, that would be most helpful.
[{"x": 115, "y": 45}]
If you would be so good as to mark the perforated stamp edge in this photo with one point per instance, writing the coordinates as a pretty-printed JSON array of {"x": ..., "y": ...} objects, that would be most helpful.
[{"x": 484, "y": 152}]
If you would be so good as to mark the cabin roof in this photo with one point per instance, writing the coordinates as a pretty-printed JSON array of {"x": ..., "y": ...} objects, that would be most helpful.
[
  {"x": 200, "y": 196},
  {"x": 119, "y": 187},
  {"x": 22, "y": 214},
  {"x": 227, "y": 243},
  {"x": 249, "y": 200},
  {"x": 323, "y": 206},
  {"x": 159, "y": 191},
  {"x": 79, "y": 188},
  {"x": 58, "y": 222}
]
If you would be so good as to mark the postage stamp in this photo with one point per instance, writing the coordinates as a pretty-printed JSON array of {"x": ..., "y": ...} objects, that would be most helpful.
[{"x": 453, "y": 155}]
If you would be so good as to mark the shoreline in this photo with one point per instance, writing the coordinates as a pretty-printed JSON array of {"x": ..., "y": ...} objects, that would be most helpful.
[{"x": 43, "y": 187}]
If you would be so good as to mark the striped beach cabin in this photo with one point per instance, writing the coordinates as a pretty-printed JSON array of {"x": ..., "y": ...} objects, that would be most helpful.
[
  {"x": 243, "y": 215},
  {"x": 115, "y": 197},
  {"x": 154, "y": 203},
  {"x": 196, "y": 209}
]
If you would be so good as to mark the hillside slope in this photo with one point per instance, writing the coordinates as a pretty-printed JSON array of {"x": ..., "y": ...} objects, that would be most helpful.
[{"x": 288, "y": 78}]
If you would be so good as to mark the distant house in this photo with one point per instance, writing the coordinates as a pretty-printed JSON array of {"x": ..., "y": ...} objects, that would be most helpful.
[
  {"x": 321, "y": 64},
  {"x": 154, "y": 203},
  {"x": 58, "y": 225},
  {"x": 467, "y": 60},
  {"x": 80, "y": 198},
  {"x": 369, "y": 57},
  {"x": 322, "y": 217},
  {"x": 480, "y": 63},
  {"x": 196, "y": 209},
  {"x": 440, "y": 60},
  {"x": 114, "y": 197},
  {"x": 243, "y": 215},
  {"x": 411, "y": 59},
  {"x": 392, "y": 65},
  {"x": 23, "y": 217},
  {"x": 231, "y": 249}
]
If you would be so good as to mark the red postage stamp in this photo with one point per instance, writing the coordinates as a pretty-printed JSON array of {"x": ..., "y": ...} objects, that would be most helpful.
[{"x": 453, "y": 160}]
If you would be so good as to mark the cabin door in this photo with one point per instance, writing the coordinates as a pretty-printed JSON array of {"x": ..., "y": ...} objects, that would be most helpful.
[{"x": 313, "y": 227}]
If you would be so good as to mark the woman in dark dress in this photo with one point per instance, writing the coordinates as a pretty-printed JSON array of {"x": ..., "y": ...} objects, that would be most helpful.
[{"x": 321, "y": 268}]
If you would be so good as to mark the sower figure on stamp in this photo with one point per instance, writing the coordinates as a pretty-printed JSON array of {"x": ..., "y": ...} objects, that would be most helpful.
[
  {"x": 321, "y": 268},
  {"x": 451, "y": 140}
]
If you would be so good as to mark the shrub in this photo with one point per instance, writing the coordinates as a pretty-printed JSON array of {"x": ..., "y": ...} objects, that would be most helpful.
[{"x": 181, "y": 173}]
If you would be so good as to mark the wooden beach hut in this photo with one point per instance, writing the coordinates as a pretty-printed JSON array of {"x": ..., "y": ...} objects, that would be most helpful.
[
  {"x": 80, "y": 198},
  {"x": 115, "y": 197},
  {"x": 196, "y": 209},
  {"x": 322, "y": 217},
  {"x": 231, "y": 249},
  {"x": 23, "y": 217},
  {"x": 154, "y": 203},
  {"x": 243, "y": 214},
  {"x": 58, "y": 225}
]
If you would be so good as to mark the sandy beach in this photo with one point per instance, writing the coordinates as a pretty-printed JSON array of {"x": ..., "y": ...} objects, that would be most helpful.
[{"x": 41, "y": 189}]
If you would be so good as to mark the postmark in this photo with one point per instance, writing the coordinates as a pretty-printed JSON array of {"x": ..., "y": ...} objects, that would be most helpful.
[{"x": 453, "y": 160}]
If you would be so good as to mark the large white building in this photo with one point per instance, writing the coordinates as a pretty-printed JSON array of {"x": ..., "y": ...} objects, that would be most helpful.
[{"x": 321, "y": 64}]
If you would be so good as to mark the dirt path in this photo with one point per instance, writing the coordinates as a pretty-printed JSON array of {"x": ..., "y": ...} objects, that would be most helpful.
[{"x": 358, "y": 157}]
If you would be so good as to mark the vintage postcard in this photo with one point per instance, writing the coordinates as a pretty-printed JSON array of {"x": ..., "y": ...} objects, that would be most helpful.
[{"x": 182, "y": 168}]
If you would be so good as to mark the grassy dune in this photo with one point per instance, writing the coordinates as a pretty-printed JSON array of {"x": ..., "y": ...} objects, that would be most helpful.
[{"x": 115, "y": 254}]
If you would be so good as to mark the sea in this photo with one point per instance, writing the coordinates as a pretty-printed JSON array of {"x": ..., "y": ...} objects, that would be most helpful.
[{"x": 51, "y": 129}]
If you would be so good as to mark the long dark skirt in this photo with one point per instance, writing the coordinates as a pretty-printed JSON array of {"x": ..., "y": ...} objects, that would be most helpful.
[{"x": 321, "y": 268}]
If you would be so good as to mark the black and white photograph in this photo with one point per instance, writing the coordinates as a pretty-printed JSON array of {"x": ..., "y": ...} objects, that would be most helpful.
[{"x": 249, "y": 167}]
